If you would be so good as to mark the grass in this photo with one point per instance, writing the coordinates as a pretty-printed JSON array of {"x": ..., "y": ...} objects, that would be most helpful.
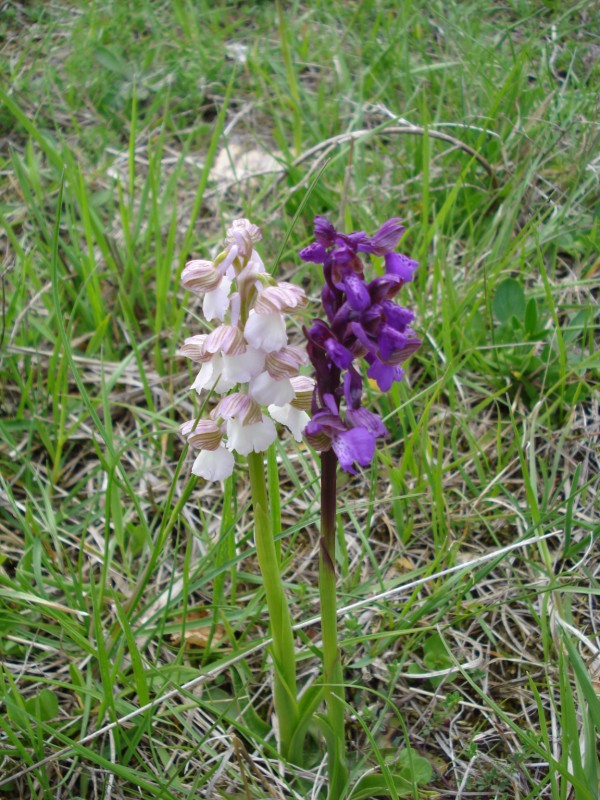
[{"x": 116, "y": 123}]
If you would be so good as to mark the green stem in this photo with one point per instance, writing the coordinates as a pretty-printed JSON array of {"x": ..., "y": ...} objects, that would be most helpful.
[
  {"x": 282, "y": 648},
  {"x": 332, "y": 666}
]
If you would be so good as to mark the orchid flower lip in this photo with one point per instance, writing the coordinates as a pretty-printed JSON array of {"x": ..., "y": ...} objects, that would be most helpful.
[
  {"x": 266, "y": 331},
  {"x": 294, "y": 418},
  {"x": 216, "y": 465},
  {"x": 245, "y": 439}
]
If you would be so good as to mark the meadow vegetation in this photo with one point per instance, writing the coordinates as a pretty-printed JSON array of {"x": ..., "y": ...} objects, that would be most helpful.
[{"x": 131, "y": 134}]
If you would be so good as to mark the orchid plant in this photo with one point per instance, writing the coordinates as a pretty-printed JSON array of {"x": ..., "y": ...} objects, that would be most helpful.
[
  {"x": 363, "y": 324},
  {"x": 247, "y": 361}
]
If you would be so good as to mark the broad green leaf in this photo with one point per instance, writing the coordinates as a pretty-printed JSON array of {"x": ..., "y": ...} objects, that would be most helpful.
[
  {"x": 44, "y": 706},
  {"x": 307, "y": 706},
  {"x": 113, "y": 62},
  {"x": 509, "y": 301},
  {"x": 531, "y": 316}
]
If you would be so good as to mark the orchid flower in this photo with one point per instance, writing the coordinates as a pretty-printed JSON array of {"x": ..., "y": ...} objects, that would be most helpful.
[{"x": 247, "y": 353}]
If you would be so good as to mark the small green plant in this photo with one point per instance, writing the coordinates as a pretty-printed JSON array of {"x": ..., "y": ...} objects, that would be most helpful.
[
  {"x": 435, "y": 659},
  {"x": 531, "y": 354}
]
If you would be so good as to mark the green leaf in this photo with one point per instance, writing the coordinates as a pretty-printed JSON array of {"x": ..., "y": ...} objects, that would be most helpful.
[
  {"x": 475, "y": 329},
  {"x": 99, "y": 335},
  {"x": 307, "y": 706},
  {"x": 415, "y": 765},
  {"x": 509, "y": 301},
  {"x": 112, "y": 61},
  {"x": 44, "y": 706},
  {"x": 378, "y": 786},
  {"x": 414, "y": 769},
  {"x": 242, "y": 679},
  {"x": 584, "y": 681},
  {"x": 371, "y": 786},
  {"x": 435, "y": 652},
  {"x": 531, "y": 316},
  {"x": 435, "y": 657}
]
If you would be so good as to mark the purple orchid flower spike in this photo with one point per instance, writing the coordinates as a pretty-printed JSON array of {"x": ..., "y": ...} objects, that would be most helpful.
[{"x": 363, "y": 322}]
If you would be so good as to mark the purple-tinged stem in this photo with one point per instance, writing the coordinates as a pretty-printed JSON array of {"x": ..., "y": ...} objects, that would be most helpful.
[{"x": 332, "y": 666}]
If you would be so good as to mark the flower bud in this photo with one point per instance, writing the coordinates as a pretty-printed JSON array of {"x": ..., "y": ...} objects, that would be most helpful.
[
  {"x": 286, "y": 362},
  {"x": 237, "y": 406},
  {"x": 281, "y": 298},
  {"x": 225, "y": 339},
  {"x": 244, "y": 234},
  {"x": 203, "y": 434},
  {"x": 303, "y": 387},
  {"x": 200, "y": 276},
  {"x": 194, "y": 348}
]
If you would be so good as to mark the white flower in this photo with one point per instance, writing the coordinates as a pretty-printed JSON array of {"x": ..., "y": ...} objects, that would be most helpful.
[
  {"x": 265, "y": 389},
  {"x": 249, "y": 274},
  {"x": 222, "y": 372},
  {"x": 243, "y": 234},
  {"x": 304, "y": 389},
  {"x": 242, "y": 368},
  {"x": 211, "y": 374},
  {"x": 214, "y": 465},
  {"x": 266, "y": 331},
  {"x": 226, "y": 339},
  {"x": 225, "y": 261},
  {"x": 286, "y": 362},
  {"x": 293, "y": 418},
  {"x": 193, "y": 348},
  {"x": 237, "y": 406},
  {"x": 216, "y": 303},
  {"x": 247, "y": 438},
  {"x": 235, "y": 307}
]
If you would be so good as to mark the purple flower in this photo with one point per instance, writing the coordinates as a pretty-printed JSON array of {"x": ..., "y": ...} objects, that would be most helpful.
[
  {"x": 356, "y": 291},
  {"x": 315, "y": 253},
  {"x": 400, "y": 265},
  {"x": 352, "y": 389},
  {"x": 350, "y": 444},
  {"x": 325, "y": 233},
  {"x": 390, "y": 341},
  {"x": 396, "y": 315},
  {"x": 356, "y": 445},
  {"x": 363, "y": 322},
  {"x": 386, "y": 238},
  {"x": 384, "y": 374},
  {"x": 340, "y": 355},
  {"x": 363, "y": 418}
]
